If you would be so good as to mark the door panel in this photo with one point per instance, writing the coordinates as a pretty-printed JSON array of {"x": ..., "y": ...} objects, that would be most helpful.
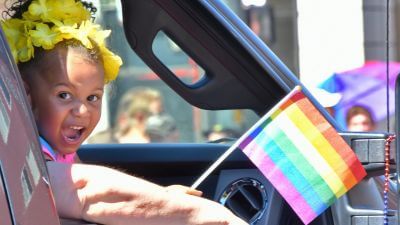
[{"x": 5, "y": 211}]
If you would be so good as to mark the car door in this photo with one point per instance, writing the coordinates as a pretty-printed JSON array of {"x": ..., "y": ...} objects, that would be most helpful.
[{"x": 25, "y": 193}]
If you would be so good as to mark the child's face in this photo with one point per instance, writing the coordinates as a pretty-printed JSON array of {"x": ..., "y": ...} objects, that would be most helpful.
[{"x": 66, "y": 99}]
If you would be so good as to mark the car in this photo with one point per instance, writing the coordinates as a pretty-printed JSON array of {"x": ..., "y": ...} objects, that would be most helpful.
[{"x": 239, "y": 72}]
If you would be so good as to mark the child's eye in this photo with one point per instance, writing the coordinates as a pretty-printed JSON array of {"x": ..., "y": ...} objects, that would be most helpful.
[
  {"x": 93, "y": 98},
  {"x": 64, "y": 95}
]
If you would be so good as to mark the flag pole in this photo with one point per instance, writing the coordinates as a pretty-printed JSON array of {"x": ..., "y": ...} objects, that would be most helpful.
[
  {"x": 215, "y": 165},
  {"x": 236, "y": 144}
]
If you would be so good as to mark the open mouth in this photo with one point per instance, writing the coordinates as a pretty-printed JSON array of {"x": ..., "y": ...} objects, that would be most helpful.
[{"x": 73, "y": 134}]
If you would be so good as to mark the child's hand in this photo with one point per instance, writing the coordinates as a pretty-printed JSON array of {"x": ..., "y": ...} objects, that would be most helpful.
[{"x": 184, "y": 189}]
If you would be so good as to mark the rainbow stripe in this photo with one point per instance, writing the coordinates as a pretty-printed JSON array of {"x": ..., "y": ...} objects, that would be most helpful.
[{"x": 302, "y": 156}]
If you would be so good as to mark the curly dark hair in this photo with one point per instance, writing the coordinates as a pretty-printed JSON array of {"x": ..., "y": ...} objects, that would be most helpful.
[{"x": 18, "y": 7}]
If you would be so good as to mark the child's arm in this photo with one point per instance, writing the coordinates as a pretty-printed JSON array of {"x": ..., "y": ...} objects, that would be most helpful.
[{"x": 106, "y": 196}]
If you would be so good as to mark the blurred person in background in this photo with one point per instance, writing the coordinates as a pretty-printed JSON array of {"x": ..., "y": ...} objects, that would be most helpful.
[
  {"x": 218, "y": 132},
  {"x": 160, "y": 126},
  {"x": 130, "y": 121},
  {"x": 140, "y": 118},
  {"x": 132, "y": 115},
  {"x": 359, "y": 118}
]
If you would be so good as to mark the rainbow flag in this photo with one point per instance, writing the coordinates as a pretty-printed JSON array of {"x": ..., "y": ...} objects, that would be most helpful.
[{"x": 302, "y": 156}]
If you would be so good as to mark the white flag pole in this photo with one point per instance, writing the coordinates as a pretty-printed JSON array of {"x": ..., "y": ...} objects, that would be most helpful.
[{"x": 215, "y": 165}]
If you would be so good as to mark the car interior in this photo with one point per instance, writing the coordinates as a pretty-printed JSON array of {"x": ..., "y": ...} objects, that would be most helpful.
[{"x": 241, "y": 72}]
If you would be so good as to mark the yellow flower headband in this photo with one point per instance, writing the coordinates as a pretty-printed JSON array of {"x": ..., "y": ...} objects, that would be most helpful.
[{"x": 48, "y": 22}]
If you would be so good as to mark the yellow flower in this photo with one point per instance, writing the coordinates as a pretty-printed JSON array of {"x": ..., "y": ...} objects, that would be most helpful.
[
  {"x": 99, "y": 36},
  {"x": 45, "y": 37},
  {"x": 19, "y": 41},
  {"x": 13, "y": 29},
  {"x": 111, "y": 63},
  {"x": 25, "y": 49},
  {"x": 56, "y": 11},
  {"x": 48, "y": 22},
  {"x": 69, "y": 9},
  {"x": 67, "y": 31},
  {"x": 37, "y": 10},
  {"x": 81, "y": 33}
]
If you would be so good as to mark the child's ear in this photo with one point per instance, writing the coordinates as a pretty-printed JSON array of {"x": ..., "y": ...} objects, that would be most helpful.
[{"x": 28, "y": 92}]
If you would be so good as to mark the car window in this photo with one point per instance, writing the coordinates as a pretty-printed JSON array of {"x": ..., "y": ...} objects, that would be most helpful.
[{"x": 169, "y": 117}]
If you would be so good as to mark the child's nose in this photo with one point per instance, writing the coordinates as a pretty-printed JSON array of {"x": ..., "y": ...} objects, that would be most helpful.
[{"x": 81, "y": 110}]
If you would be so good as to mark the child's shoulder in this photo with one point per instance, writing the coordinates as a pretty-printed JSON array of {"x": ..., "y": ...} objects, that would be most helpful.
[
  {"x": 47, "y": 150},
  {"x": 51, "y": 155}
]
